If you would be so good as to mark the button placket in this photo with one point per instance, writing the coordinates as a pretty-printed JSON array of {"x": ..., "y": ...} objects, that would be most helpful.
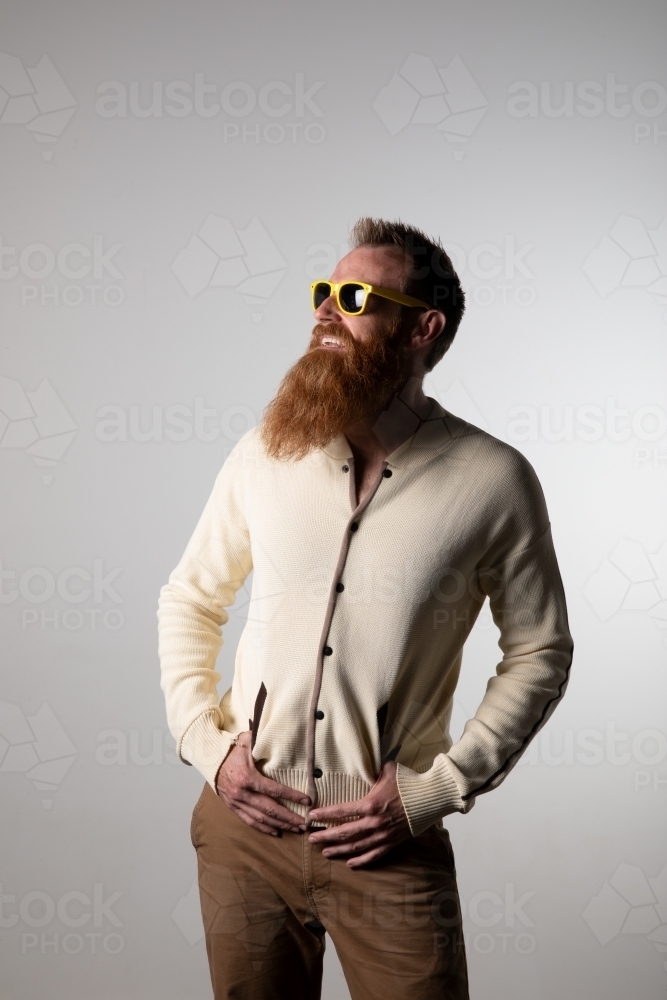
[{"x": 336, "y": 588}]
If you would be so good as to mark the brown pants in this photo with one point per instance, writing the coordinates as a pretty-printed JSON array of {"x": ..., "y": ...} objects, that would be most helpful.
[{"x": 267, "y": 902}]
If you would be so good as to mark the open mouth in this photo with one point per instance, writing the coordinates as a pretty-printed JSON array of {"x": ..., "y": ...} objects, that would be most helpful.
[{"x": 330, "y": 342}]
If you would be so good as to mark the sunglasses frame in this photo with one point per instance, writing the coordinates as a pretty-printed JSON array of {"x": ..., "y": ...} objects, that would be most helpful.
[{"x": 385, "y": 293}]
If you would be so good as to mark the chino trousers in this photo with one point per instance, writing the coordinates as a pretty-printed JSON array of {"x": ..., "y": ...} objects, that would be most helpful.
[{"x": 268, "y": 901}]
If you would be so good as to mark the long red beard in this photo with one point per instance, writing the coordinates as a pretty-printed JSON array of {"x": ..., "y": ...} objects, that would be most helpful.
[{"x": 327, "y": 391}]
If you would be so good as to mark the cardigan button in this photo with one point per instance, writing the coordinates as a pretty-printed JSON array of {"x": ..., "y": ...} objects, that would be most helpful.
[
  {"x": 346, "y": 468},
  {"x": 354, "y": 526},
  {"x": 319, "y": 714},
  {"x": 387, "y": 473},
  {"x": 327, "y": 650},
  {"x": 317, "y": 772},
  {"x": 340, "y": 587}
]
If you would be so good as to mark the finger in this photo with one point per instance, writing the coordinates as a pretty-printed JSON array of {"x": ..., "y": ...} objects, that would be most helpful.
[
  {"x": 354, "y": 847},
  {"x": 343, "y": 811},
  {"x": 266, "y": 786},
  {"x": 272, "y": 811},
  {"x": 367, "y": 858},
  {"x": 255, "y": 823},
  {"x": 260, "y": 817},
  {"x": 345, "y": 832}
]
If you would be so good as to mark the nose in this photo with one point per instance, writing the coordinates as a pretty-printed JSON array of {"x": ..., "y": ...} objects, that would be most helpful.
[{"x": 328, "y": 312}]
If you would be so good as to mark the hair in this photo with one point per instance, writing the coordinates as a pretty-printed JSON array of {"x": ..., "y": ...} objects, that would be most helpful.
[{"x": 432, "y": 277}]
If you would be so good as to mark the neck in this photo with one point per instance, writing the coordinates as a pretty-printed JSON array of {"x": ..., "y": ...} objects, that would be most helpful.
[{"x": 381, "y": 433}]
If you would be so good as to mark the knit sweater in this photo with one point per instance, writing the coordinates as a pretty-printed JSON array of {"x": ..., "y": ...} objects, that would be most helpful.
[{"x": 358, "y": 615}]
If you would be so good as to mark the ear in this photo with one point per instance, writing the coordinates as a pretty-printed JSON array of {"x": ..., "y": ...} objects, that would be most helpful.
[{"x": 429, "y": 327}]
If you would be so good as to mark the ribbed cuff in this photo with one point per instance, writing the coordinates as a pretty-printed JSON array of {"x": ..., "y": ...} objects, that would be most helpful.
[
  {"x": 429, "y": 796},
  {"x": 205, "y": 745}
]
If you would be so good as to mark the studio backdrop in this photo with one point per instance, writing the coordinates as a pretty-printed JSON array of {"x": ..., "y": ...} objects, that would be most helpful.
[{"x": 174, "y": 176}]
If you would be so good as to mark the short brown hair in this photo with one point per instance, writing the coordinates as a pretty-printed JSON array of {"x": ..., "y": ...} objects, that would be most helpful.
[{"x": 433, "y": 278}]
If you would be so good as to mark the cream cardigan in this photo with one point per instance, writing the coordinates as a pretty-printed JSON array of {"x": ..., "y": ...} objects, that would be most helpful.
[{"x": 358, "y": 616}]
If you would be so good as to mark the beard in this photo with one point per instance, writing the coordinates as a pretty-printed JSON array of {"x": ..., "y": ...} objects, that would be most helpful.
[{"x": 327, "y": 391}]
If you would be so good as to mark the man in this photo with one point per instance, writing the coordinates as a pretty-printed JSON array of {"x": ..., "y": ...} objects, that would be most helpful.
[{"x": 376, "y": 524}]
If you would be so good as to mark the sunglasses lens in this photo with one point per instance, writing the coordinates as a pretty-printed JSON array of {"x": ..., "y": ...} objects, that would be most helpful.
[
  {"x": 352, "y": 297},
  {"x": 321, "y": 293}
]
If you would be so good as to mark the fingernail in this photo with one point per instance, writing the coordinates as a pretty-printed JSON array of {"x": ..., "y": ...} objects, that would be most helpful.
[
  {"x": 303, "y": 828},
  {"x": 305, "y": 802}
]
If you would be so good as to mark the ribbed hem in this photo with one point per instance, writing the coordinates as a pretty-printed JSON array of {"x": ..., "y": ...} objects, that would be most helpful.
[
  {"x": 429, "y": 796},
  {"x": 333, "y": 787},
  {"x": 205, "y": 745}
]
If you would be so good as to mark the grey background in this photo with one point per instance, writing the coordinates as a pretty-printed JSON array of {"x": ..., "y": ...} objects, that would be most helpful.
[{"x": 555, "y": 223}]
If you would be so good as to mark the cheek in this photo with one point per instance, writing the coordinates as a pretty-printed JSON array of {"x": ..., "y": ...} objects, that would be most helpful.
[{"x": 361, "y": 330}]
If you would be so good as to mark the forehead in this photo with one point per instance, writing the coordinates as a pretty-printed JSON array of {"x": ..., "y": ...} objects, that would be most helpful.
[{"x": 383, "y": 266}]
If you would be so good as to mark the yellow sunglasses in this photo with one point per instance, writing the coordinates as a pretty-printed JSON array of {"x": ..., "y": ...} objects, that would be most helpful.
[{"x": 352, "y": 296}]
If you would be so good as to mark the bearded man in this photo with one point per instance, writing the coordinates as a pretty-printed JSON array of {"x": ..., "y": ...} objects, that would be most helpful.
[{"x": 376, "y": 525}]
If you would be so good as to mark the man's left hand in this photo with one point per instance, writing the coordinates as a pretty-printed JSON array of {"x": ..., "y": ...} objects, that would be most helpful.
[{"x": 375, "y": 824}]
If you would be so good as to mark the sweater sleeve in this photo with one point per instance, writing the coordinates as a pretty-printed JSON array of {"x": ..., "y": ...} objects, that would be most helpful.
[
  {"x": 191, "y": 613},
  {"x": 528, "y": 606}
]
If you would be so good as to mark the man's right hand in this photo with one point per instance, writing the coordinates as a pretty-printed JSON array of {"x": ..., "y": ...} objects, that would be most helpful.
[{"x": 253, "y": 797}]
